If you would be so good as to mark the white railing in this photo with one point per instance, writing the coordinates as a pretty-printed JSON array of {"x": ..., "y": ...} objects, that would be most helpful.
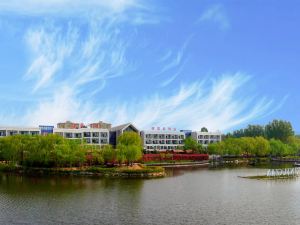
[{"x": 283, "y": 172}]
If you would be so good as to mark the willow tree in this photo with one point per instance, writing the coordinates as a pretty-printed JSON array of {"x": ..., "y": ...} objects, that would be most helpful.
[{"x": 130, "y": 146}]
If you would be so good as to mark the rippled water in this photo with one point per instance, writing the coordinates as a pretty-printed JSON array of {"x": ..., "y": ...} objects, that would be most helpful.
[{"x": 198, "y": 196}]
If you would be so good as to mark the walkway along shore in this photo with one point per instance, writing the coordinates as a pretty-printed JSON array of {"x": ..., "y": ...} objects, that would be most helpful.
[{"x": 178, "y": 165}]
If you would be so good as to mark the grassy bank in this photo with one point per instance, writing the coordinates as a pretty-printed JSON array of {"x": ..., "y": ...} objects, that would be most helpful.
[{"x": 137, "y": 170}]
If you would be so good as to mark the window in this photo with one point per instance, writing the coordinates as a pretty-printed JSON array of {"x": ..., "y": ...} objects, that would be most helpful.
[
  {"x": 96, "y": 134},
  {"x": 87, "y": 134},
  {"x": 68, "y": 135}
]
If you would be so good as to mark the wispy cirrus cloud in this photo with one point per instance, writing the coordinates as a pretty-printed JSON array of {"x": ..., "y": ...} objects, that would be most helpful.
[
  {"x": 215, "y": 104},
  {"x": 61, "y": 8},
  {"x": 216, "y": 14},
  {"x": 48, "y": 60},
  {"x": 173, "y": 63},
  {"x": 64, "y": 55}
]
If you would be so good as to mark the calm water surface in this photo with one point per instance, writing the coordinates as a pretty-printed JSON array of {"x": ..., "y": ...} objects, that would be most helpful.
[{"x": 194, "y": 196}]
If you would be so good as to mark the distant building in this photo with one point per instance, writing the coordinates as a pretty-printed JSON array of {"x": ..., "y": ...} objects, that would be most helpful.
[
  {"x": 206, "y": 138},
  {"x": 115, "y": 132},
  {"x": 100, "y": 125},
  {"x": 10, "y": 131},
  {"x": 162, "y": 140},
  {"x": 69, "y": 125}
]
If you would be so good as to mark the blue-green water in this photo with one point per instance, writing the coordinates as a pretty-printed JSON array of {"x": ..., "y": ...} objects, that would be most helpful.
[{"x": 194, "y": 196}]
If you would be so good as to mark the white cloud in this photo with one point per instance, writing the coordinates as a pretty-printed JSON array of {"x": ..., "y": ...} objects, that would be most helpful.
[
  {"x": 216, "y": 14},
  {"x": 216, "y": 104},
  {"x": 66, "y": 56},
  {"x": 47, "y": 60},
  {"x": 66, "y": 7},
  {"x": 172, "y": 61}
]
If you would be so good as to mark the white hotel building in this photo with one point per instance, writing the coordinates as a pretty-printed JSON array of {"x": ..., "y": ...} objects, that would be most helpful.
[
  {"x": 156, "y": 140},
  {"x": 94, "y": 136},
  {"x": 206, "y": 138}
]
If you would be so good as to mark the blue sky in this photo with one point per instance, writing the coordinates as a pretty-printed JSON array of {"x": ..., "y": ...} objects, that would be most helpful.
[{"x": 220, "y": 64}]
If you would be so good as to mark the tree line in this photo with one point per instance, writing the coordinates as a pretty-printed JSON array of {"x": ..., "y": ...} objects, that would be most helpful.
[
  {"x": 277, "y": 129},
  {"x": 55, "y": 151},
  {"x": 276, "y": 139}
]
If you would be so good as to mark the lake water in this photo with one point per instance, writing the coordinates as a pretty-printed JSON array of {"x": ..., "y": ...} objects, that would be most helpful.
[{"x": 193, "y": 196}]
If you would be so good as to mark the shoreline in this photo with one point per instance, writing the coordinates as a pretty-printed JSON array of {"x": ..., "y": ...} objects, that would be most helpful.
[{"x": 91, "y": 171}]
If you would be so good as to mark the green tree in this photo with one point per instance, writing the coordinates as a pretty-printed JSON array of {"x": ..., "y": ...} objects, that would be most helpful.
[
  {"x": 191, "y": 144},
  {"x": 204, "y": 129},
  {"x": 254, "y": 131},
  {"x": 279, "y": 129},
  {"x": 278, "y": 148},
  {"x": 130, "y": 146},
  {"x": 262, "y": 147},
  {"x": 109, "y": 154}
]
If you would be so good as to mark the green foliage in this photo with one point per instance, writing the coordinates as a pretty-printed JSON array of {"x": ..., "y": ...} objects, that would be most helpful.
[
  {"x": 191, "y": 144},
  {"x": 129, "y": 147},
  {"x": 250, "y": 131},
  {"x": 108, "y": 154},
  {"x": 41, "y": 151},
  {"x": 262, "y": 147},
  {"x": 257, "y": 146},
  {"x": 204, "y": 129},
  {"x": 279, "y": 129}
]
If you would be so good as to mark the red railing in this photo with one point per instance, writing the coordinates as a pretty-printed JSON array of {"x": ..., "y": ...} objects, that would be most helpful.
[{"x": 166, "y": 157}]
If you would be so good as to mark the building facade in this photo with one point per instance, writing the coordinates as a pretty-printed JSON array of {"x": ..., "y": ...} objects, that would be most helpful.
[
  {"x": 115, "y": 132},
  {"x": 154, "y": 140},
  {"x": 206, "y": 138},
  {"x": 102, "y": 134},
  {"x": 10, "y": 131},
  {"x": 87, "y": 135}
]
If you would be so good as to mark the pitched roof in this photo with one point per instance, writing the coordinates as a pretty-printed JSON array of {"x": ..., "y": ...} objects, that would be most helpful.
[{"x": 122, "y": 127}]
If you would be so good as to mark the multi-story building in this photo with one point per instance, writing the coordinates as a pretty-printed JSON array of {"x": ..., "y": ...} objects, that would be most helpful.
[
  {"x": 10, "y": 131},
  {"x": 206, "y": 138},
  {"x": 101, "y": 134},
  {"x": 162, "y": 140},
  {"x": 89, "y": 135}
]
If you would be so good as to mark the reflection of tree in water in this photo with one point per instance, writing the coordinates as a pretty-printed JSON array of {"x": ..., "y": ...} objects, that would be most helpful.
[
  {"x": 34, "y": 185},
  {"x": 40, "y": 199},
  {"x": 125, "y": 196},
  {"x": 11, "y": 183},
  {"x": 173, "y": 172}
]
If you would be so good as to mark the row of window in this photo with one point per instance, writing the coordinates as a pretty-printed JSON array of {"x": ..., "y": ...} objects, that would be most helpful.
[
  {"x": 206, "y": 142},
  {"x": 4, "y": 133},
  {"x": 161, "y": 147},
  {"x": 164, "y": 136},
  {"x": 209, "y": 136},
  {"x": 174, "y": 142},
  {"x": 96, "y": 141},
  {"x": 84, "y": 134}
]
